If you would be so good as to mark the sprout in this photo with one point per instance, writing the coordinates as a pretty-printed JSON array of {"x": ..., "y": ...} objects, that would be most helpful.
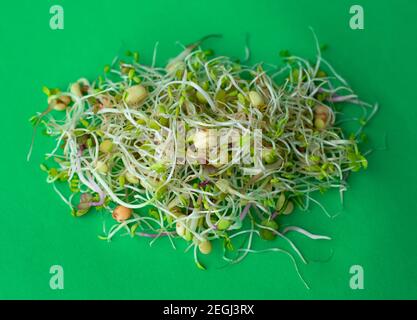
[{"x": 119, "y": 145}]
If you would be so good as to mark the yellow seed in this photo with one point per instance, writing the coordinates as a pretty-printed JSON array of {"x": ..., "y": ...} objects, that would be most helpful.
[
  {"x": 59, "y": 106},
  {"x": 205, "y": 247},
  {"x": 136, "y": 95},
  {"x": 319, "y": 123},
  {"x": 121, "y": 213},
  {"x": 76, "y": 89},
  {"x": 102, "y": 167},
  {"x": 65, "y": 100},
  {"x": 256, "y": 99},
  {"x": 180, "y": 229},
  {"x": 106, "y": 146},
  {"x": 180, "y": 226},
  {"x": 289, "y": 209},
  {"x": 131, "y": 178}
]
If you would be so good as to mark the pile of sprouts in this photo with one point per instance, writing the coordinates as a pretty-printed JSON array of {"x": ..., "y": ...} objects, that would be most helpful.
[{"x": 111, "y": 135}]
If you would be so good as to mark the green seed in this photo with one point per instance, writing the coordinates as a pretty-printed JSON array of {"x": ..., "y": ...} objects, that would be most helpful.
[
  {"x": 153, "y": 124},
  {"x": 289, "y": 209},
  {"x": 131, "y": 178},
  {"x": 223, "y": 224},
  {"x": 53, "y": 172},
  {"x": 270, "y": 156},
  {"x": 131, "y": 74},
  {"x": 321, "y": 74},
  {"x": 201, "y": 98},
  {"x": 188, "y": 236},
  {"x": 268, "y": 234},
  {"x": 319, "y": 124},
  {"x": 281, "y": 201},
  {"x": 106, "y": 146},
  {"x": 122, "y": 181}
]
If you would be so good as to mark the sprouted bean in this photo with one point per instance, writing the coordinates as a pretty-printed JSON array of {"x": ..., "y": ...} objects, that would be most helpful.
[{"x": 108, "y": 142}]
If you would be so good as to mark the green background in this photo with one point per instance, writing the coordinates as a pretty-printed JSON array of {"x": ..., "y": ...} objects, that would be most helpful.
[{"x": 377, "y": 227}]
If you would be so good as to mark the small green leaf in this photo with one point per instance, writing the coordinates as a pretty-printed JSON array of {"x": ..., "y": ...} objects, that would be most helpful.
[
  {"x": 362, "y": 121},
  {"x": 133, "y": 229},
  {"x": 200, "y": 266},
  {"x": 80, "y": 213},
  {"x": 227, "y": 243},
  {"x": 324, "y": 47},
  {"x": 284, "y": 54},
  {"x": 131, "y": 74},
  {"x": 137, "y": 79},
  {"x": 46, "y": 91},
  {"x": 53, "y": 172},
  {"x": 136, "y": 56}
]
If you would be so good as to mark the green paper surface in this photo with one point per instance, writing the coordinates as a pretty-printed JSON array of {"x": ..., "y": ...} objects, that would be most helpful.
[{"x": 376, "y": 229}]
